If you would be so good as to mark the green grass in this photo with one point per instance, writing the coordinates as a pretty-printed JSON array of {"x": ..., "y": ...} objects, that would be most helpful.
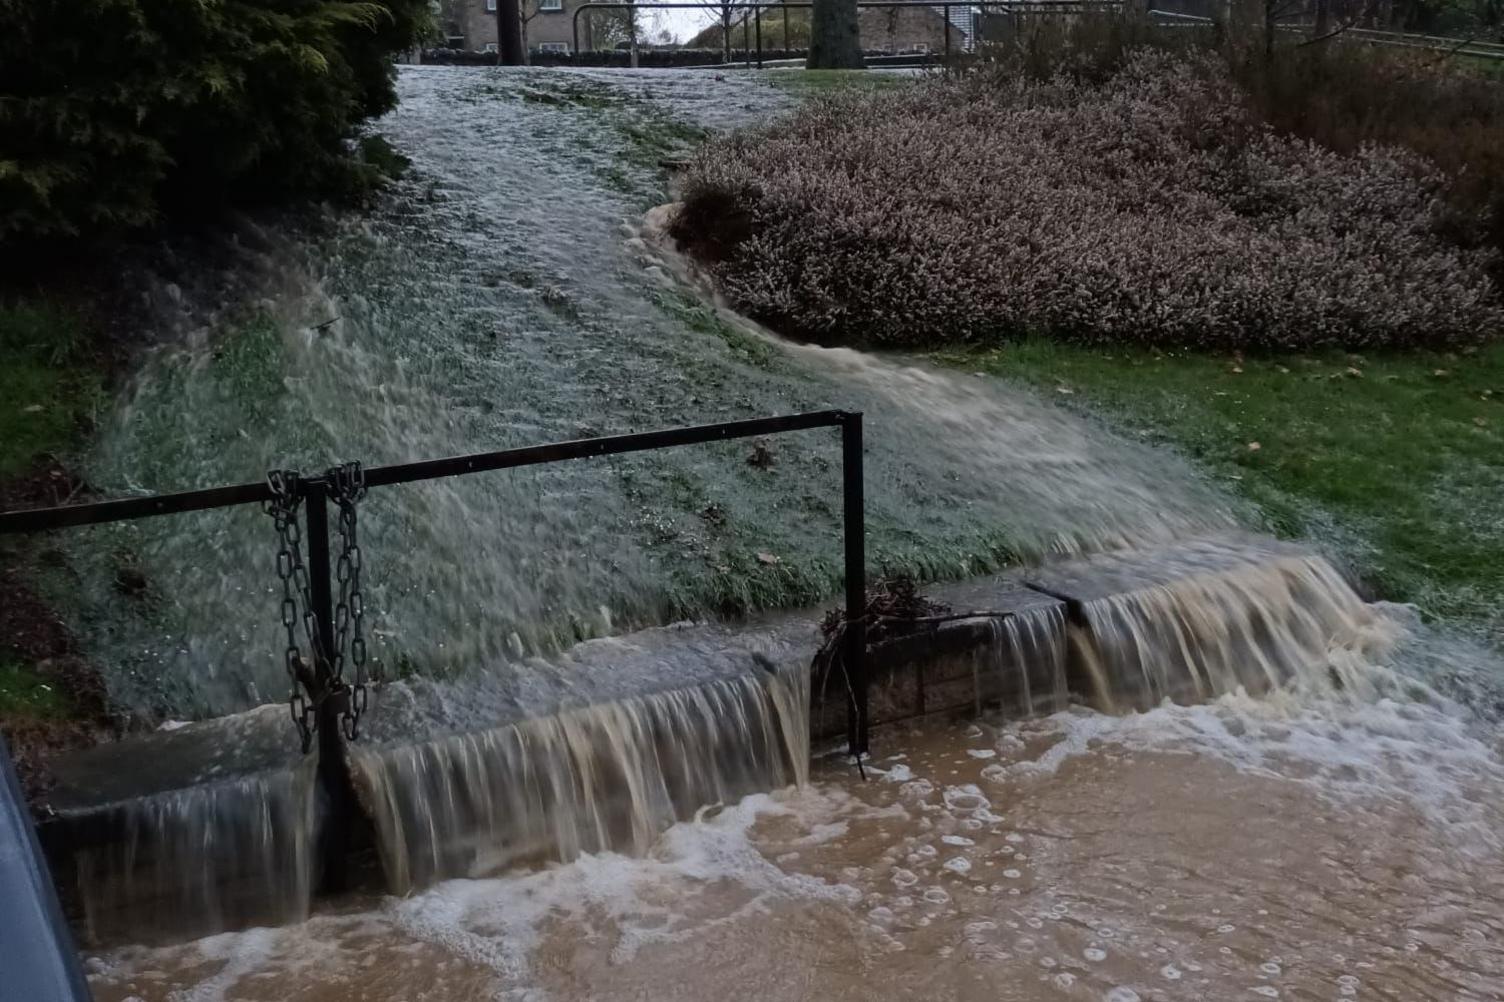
[
  {"x": 816, "y": 83},
  {"x": 642, "y": 137},
  {"x": 1396, "y": 460},
  {"x": 26, "y": 695},
  {"x": 702, "y": 318},
  {"x": 48, "y": 384}
]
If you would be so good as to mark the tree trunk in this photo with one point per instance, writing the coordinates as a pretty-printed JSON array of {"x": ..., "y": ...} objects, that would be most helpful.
[
  {"x": 509, "y": 32},
  {"x": 1323, "y": 19},
  {"x": 632, "y": 36},
  {"x": 834, "y": 40}
]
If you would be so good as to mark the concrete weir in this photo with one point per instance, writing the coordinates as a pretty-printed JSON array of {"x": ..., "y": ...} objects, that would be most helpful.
[{"x": 216, "y": 824}]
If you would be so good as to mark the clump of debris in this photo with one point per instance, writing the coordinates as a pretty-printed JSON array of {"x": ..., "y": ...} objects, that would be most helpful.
[{"x": 894, "y": 608}]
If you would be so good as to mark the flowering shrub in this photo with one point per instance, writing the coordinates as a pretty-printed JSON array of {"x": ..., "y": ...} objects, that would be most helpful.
[{"x": 1149, "y": 207}]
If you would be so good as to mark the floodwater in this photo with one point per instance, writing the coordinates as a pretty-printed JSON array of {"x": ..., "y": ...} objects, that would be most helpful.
[
  {"x": 1295, "y": 848},
  {"x": 1337, "y": 839},
  {"x": 503, "y": 296}
]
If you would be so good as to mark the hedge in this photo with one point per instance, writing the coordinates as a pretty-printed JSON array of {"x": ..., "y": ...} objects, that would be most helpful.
[{"x": 113, "y": 112}]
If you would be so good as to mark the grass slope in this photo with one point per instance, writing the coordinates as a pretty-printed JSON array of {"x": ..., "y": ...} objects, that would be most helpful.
[
  {"x": 47, "y": 384},
  {"x": 1397, "y": 460}
]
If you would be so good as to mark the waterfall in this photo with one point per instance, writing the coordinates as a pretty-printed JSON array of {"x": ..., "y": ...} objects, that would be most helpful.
[
  {"x": 200, "y": 859},
  {"x": 1252, "y": 626},
  {"x": 607, "y": 776}
]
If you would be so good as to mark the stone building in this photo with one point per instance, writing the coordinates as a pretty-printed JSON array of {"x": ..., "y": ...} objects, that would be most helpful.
[
  {"x": 547, "y": 25},
  {"x": 915, "y": 29}
]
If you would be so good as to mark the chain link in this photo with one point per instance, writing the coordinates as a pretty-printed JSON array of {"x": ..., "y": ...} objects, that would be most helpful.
[
  {"x": 348, "y": 487},
  {"x": 283, "y": 508}
]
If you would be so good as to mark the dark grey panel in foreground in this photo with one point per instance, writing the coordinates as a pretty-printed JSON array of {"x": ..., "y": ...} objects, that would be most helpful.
[{"x": 37, "y": 960}]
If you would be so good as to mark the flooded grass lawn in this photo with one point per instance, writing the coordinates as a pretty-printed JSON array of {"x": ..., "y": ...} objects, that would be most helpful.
[{"x": 1395, "y": 459}]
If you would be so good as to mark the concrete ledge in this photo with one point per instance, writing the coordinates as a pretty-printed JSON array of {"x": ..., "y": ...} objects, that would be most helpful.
[
  {"x": 1011, "y": 662},
  {"x": 1197, "y": 619},
  {"x": 214, "y": 825}
]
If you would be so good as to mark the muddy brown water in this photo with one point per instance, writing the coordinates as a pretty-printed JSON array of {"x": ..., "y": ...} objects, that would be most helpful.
[
  {"x": 1335, "y": 840},
  {"x": 1240, "y": 850}
]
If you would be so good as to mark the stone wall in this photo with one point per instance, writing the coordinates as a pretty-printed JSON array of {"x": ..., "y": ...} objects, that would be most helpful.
[
  {"x": 471, "y": 24},
  {"x": 890, "y": 29}
]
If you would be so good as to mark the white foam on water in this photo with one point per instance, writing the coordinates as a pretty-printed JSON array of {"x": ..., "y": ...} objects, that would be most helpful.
[
  {"x": 1428, "y": 753},
  {"x": 498, "y": 922}
]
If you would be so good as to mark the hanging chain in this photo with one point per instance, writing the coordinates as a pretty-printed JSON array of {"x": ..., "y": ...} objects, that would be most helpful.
[
  {"x": 283, "y": 508},
  {"x": 347, "y": 488}
]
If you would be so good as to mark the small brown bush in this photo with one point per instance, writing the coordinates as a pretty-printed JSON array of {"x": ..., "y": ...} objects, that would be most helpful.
[{"x": 1150, "y": 206}]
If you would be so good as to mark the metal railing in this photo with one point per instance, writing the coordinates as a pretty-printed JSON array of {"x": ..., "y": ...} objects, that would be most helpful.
[
  {"x": 754, "y": 11},
  {"x": 1471, "y": 47},
  {"x": 315, "y": 493}
]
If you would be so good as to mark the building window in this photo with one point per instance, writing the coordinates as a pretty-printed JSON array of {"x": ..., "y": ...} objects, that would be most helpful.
[
  {"x": 561, "y": 47},
  {"x": 550, "y": 4},
  {"x": 490, "y": 46},
  {"x": 490, "y": 6},
  {"x": 921, "y": 47}
]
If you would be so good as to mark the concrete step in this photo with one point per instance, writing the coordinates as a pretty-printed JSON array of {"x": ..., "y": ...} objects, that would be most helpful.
[
  {"x": 1190, "y": 621},
  {"x": 213, "y": 825}
]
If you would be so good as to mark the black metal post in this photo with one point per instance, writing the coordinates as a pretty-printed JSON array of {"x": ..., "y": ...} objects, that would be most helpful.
[
  {"x": 854, "y": 517},
  {"x": 946, "y": 16},
  {"x": 329, "y": 696},
  {"x": 746, "y": 41},
  {"x": 785, "y": 8},
  {"x": 317, "y": 505},
  {"x": 757, "y": 16}
]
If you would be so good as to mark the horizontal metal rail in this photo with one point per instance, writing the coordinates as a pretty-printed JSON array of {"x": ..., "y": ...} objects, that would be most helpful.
[
  {"x": 1477, "y": 49},
  {"x": 44, "y": 933},
  {"x": 122, "y": 509},
  {"x": 326, "y": 690},
  {"x": 756, "y": 9}
]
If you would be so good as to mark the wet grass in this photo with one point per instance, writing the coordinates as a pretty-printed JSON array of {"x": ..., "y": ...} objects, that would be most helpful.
[
  {"x": 644, "y": 139},
  {"x": 49, "y": 384},
  {"x": 719, "y": 555},
  {"x": 241, "y": 376},
  {"x": 806, "y": 84},
  {"x": 52, "y": 382},
  {"x": 1395, "y": 460},
  {"x": 703, "y": 319},
  {"x": 26, "y": 695}
]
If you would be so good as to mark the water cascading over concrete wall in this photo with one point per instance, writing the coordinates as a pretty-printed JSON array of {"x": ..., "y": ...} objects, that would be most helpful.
[
  {"x": 604, "y": 747},
  {"x": 201, "y": 859},
  {"x": 1208, "y": 617},
  {"x": 604, "y": 777}
]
